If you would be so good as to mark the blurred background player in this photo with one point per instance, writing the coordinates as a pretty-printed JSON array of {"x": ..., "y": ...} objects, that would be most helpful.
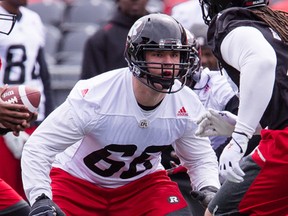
[
  {"x": 104, "y": 50},
  {"x": 12, "y": 116},
  {"x": 23, "y": 62}
]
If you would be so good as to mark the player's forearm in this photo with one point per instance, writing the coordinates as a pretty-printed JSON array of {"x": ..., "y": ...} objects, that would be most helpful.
[
  {"x": 202, "y": 166},
  {"x": 205, "y": 174},
  {"x": 35, "y": 173}
]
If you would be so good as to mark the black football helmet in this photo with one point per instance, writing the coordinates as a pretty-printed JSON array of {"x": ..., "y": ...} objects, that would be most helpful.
[
  {"x": 157, "y": 32},
  {"x": 210, "y": 8},
  {"x": 195, "y": 59},
  {"x": 194, "y": 72},
  {"x": 7, "y": 22}
]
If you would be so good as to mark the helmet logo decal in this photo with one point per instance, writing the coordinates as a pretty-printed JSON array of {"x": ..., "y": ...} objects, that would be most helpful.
[{"x": 254, "y": 3}]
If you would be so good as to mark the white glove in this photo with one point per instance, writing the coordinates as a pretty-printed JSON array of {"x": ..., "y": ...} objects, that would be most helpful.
[
  {"x": 216, "y": 123},
  {"x": 16, "y": 143},
  {"x": 229, "y": 160}
]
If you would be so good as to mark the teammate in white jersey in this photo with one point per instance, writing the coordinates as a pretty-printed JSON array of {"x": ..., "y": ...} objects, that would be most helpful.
[
  {"x": 22, "y": 53},
  {"x": 23, "y": 62},
  {"x": 13, "y": 117},
  {"x": 109, "y": 134}
]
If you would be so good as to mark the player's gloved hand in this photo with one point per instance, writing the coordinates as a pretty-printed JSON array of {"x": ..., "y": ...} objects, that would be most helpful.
[
  {"x": 216, "y": 123},
  {"x": 205, "y": 195},
  {"x": 16, "y": 143},
  {"x": 229, "y": 159},
  {"x": 44, "y": 206}
]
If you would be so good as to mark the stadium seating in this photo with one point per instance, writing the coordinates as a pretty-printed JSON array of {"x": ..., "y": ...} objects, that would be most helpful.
[
  {"x": 51, "y": 12},
  {"x": 72, "y": 42},
  {"x": 53, "y": 38}
]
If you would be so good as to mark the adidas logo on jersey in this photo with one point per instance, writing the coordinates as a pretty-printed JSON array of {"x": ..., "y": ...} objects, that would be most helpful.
[
  {"x": 182, "y": 112},
  {"x": 84, "y": 92}
]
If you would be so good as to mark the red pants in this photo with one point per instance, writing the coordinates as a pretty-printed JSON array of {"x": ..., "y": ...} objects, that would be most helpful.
[
  {"x": 10, "y": 169},
  {"x": 151, "y": 195},
  {"x": 268, "y": 194},
  {"x": 264, "y": 191},
  {"x": 8, "y": 197}
]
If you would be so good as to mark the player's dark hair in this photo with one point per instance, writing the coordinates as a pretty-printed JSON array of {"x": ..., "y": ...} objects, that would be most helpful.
[{"x": 277, "y": 20}]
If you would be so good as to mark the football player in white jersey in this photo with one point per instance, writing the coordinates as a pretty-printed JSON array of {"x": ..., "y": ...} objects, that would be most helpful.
[
  {"x": 23, "y": 62},
  {"x": 104, "y": 142},
  {"x": 12, "y": 118}
]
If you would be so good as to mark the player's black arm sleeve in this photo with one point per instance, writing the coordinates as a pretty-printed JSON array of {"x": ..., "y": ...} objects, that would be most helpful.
[
  {"x": 233, "y": 105},
  {"x": 46, "y": 80}
]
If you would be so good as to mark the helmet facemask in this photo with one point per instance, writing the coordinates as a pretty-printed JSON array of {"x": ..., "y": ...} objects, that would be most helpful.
[
  {"x": 146, "y": 39},
  {"x": 177, "y": 71},
  {"x": 194, "y": 71}
]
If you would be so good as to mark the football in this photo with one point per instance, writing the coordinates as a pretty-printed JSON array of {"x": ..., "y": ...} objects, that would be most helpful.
[{"x": 21, "y": 94}]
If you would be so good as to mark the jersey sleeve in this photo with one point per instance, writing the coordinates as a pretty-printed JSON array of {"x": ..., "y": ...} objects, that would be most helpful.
[
  {"x": 256, "y": 60},
  {"x": 196, "y": 153},
  {"x": 65, "y": 126}
]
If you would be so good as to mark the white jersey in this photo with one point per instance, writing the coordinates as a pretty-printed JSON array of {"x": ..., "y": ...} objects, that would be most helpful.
[
  {"x": 182, "y": 12},
  {"x": 214, "y": 92},
  {"x": 18, "y": 52},
  {"x": 110, "y": 141}
]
